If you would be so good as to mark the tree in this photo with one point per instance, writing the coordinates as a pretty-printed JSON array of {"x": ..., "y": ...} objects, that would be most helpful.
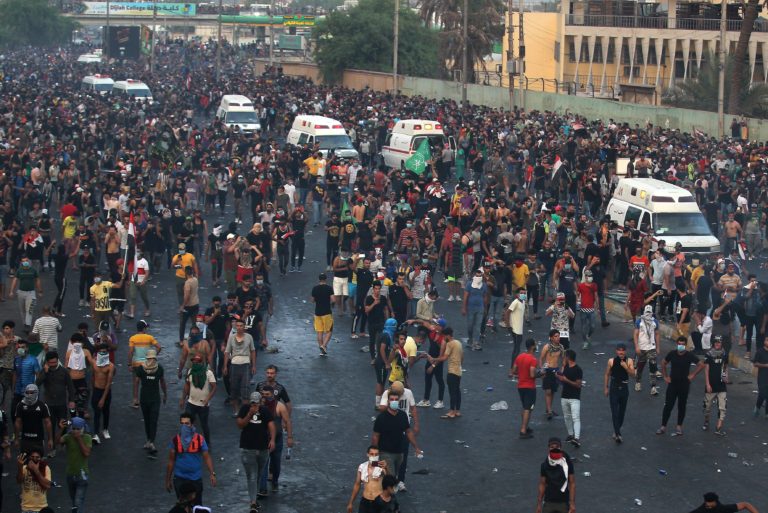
[
  {"x": 33, "y": 22},
  {"x": 361, "y": 38},
  {"x": 740, "y": 55},
  {"x": 484, "y": 28},
  {"x": 701, "y": 93}
]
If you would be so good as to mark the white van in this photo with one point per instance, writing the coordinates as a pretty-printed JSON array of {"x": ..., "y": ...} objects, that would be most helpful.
[
  {"x": 406, "y": 137},
  {"x": 237, "y": 110},
  {"x": 327, "y": 132},
  {"x": 101, "y": 84},
  {"x": 132, "y": 88},
  {"x": 669, "y": 210},
  {"x": 89, "y": 58}
]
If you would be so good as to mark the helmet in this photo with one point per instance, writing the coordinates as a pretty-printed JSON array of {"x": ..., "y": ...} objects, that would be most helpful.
[{"x": 390, "y": 323}]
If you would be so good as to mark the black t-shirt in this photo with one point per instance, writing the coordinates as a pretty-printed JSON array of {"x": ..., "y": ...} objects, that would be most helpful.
[
  {"x": 555, "y": 478},
  {"x": 252, "y": 325},
  {"x": 245, "y": 295},
  {"x": 390, "y": 429},
  {"x": 322, "y": 295},
  {"x": 255, "y": 435},
  {"x": 703, "y": 288},
  {"x": 32, "y": 420},
  {"x": 398, "y": 297},
  {"x": 218, "y": 325},
  {"x": 382, "y": 506},
  {"x": 685, "y": 302},
  {"x": 377, "y": 315},
  {"x": 720, "y": 508},
  {"x": 280, "y": 392},
  {"x": 680, "y": 365},
  {"x": 574, "y": 374},
  {"x": 761, "y": 356},
  {"x": 715, "y": 363}
]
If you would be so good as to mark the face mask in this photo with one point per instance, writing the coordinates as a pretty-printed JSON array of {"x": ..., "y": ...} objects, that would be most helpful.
[
  {"x": 518, "y": 264},
  {"x": 97, "y": 280},
  {"x": 182, "y": 252},
  {"x": 269, "y": 399},
  {"x": 567, "y": 267},
  {"x": 409, "y": 225},
  {"x": 373, "y": 459},
  {"x": 555, "y": 455},
  {"x": 102, "y": 359},
  {"x": 695, "y": 262},
  {"x": 30, "y": 398},
  {"x": 425, "y": 261},
  {"x": 590, "y": 279},
  {"x": 259, "y": 282},
  {"x": 195, "y": 338},
  {"x": 680, "y": 348},
  {"x": 21, "y": 351},
  {"x": 523, "y": 297},
  {"x": 187, "y": 431},
  {"x": 26, "y": 264},
  {"x": 394, "y": 405}
]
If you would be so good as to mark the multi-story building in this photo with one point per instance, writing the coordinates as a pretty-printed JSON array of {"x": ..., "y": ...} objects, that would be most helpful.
[{"x": 594, "y": 45}]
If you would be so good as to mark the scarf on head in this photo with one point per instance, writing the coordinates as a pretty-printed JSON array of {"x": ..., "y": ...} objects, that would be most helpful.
[
  {"x": 198, "y": 373},
  {"x": 477, "y": 282},
  {"x": 390, "y": 330},
  {"x": 102, "y": 360},
  {"x": 76, "y": 359},
  {"x": 562, "y": 463},
  {"x": 150, "y": 366}
]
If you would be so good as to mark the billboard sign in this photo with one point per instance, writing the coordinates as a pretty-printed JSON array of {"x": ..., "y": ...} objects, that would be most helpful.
[{"x": 138, "y": 9}]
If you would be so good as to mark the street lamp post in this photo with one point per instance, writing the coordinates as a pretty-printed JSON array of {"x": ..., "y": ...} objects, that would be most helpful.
[
  {"x": 218, "y": 46},
  {"x": 721, "y": 74},
  {"x": 106, "y": 43},
  {"x": 271, "y": 33},
  {"x": 464, "y": 63},
  {"x": 395, "y": 46},
  {"x": 152, "y": 41}
]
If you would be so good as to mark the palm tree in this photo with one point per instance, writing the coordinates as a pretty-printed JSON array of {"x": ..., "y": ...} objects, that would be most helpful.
[
  {"x": 740, "y": 55},
  {"x": 485, "y": 27},
  {"x": 701, "y": 93}
]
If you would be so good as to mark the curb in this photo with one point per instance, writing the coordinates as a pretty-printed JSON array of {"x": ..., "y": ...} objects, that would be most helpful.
[{"x": 617, "y": 309}]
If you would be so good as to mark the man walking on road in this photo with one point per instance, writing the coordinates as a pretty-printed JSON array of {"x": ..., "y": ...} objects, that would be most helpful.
[
  {"x": 257, "y": 440},
  {"x": 716, "y": 377},
  {"x": 678, "y": 383},
  {"x": 187, "y": 451},
  {"x": 524, "y": 368},
  {"x": 570, "y": 400},
  {"x": 557, "y": 481},
  {"x": 616, "y": 387},
  {"x": 322, "y": 296},
  {"x": 646, "y": 338}
]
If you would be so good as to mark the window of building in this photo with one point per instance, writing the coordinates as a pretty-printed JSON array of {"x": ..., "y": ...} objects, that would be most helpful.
[
  {"x": 571, "y": 51},
  {"x": 598, "y": 57},
  {"x": 557, "y": 51},
  {"x": 611, "y": 51}
]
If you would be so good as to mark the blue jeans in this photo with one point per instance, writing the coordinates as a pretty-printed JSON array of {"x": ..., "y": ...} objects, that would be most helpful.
[
  {"x": 273, "y": 463},
  {"x": 253, "y": 462},
  {"x": 587, "y": 325},
  {"x": 474, "y": 317},
  {"x": 496, "y": 301},
  {"x": 317, "y": 211},
  {"x": 77, "y": 485}
]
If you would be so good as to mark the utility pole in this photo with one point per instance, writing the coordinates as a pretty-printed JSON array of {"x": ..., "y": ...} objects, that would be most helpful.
[
  {"x": 395, "y": 46},
  {"x": 271, "y": 33},
  {"x": 464, "y": 64},
  {"x": 510, "y": 56},
  {"x": 106, "y": 43},
  {"x": 721, "y": 74},
  {"x": 152, "y": 41},
  {"x": 521, "y": 53},
  {"x": 218, "y": 46}
]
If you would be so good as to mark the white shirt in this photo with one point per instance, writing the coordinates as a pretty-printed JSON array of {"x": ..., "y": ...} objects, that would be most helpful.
[
  {"x": 48, "y": 328},
  {"x": 141, "y": 271},
  {"x": 742, "y": 204},
  {"x": 516, "y": 316},
  {"x": 407, "y": 401},
  {"x": 197, "y": 396},
  {"x": 705, "y": 328},
  {"x": 290, "y": 190}
]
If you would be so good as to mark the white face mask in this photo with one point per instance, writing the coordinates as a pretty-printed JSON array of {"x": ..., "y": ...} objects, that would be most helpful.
[
  {"x": 373, "y": 459},
  {"x": 590, "y": 279}
]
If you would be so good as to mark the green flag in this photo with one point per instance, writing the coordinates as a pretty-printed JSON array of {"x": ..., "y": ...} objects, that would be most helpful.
[
  {"x": 346, "y": 213},
  {"x": 418, "y": 161}
]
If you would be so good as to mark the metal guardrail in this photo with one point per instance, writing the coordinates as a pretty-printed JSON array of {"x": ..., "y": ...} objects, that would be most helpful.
[{"x": 659, "y": 22}]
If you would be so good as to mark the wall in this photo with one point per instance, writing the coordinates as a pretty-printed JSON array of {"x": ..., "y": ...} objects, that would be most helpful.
[
  {"x": 541, "y": 34},
  {"x": 683, "y": 119}
]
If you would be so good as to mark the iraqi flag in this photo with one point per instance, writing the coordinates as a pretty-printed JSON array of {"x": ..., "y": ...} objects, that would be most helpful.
[
  {"x": 556, "y": 167},
  {"x": 129, "y": 262}
]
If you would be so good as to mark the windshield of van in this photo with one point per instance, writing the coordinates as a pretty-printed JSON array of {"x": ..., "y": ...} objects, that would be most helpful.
[
  {"x": 103, "y": 87},
  {"x": 335, "y": 142},
  {"x": 242, "y": 117},
  {"x": 139, "y": 92},
  {"x": 680, "y": 224}
]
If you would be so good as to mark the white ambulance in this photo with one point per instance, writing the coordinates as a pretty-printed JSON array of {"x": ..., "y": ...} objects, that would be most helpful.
[
  {"x": 328, "y": 133},
  {"x": 406, "y": 137},
  {"x": 236, "y": 110},
  {"x": 671, "y": 211},
  {"x": 132, "y": 88},
  {"x": 101, "y": 84}
]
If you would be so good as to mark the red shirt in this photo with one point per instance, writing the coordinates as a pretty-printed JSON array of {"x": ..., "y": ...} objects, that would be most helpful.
[
  {"x": 588, "y": 293},
  {"x": 524, "y": 362}
]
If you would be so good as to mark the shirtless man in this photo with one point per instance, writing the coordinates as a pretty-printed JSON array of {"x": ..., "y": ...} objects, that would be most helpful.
[
  {"x": 112, "y": 242},
  {"x": 369, "y": 474},
  {"x": 551, "y": 361},
  {"x": 196, "y": 344},
  {"x": 732, "y": 233},
  {"x": 101, "y": 399},
  {"x": 76, "y": 360}
]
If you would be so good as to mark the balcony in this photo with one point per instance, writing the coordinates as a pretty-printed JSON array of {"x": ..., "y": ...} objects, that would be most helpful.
[{"x": 659, "y": 22}]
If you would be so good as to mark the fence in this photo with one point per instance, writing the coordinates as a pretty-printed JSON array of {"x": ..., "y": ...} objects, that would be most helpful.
[{"x": 568, "y": 99}]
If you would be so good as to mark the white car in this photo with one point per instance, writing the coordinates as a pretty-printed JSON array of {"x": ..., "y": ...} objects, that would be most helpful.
[{"x": 88, "y": 58}]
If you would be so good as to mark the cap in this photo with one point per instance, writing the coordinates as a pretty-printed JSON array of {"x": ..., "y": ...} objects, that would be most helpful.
[
  {"x": 255, "y": 397},
  {"x": 560, "y": 295},
  {"x": 78, "y": 423},
  {"x": 151, "y": 354},
  {"x": 380, "y": 275},
  {"x": 648, "y": 309},
  {"x": 442, "y": 323},
  {"x": 142, "y": 325},
  {"x": 182, "y": 246},
  {"x": 231, "y": 236}
]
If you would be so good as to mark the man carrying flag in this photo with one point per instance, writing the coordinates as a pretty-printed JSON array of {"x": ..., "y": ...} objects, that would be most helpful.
[{"x": 417, "y": 163}]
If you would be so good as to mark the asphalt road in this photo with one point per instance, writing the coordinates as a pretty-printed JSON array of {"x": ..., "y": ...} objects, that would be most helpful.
[{"x": 473, "y": 464}]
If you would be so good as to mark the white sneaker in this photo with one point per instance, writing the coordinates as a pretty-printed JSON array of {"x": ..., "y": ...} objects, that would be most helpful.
[
  {"x": 450, "y": 298},
  {"x": 105, "y": 434},
  {"x": 638, "y": 387},
  {"x": 147, "y": 444},
  {"x": 654, "y": 391},
  {"x": 424, "y": 404},
  {"x": 96, "y": 439},
  {"x": 400, "y": 487},
  {"x": 439, "y": 405}
]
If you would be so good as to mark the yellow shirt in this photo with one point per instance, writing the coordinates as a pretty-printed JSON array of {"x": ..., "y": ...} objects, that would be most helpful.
[
  {"x": 313, "y": 165},
  {"x": 100, "y": 293},
  {"x": 33, "y": 498},
  {"x": 141, "y": 343},
  {"x": 69, "y": 227},
  {"x": 187, "y": 259},
  {"x": 455, "y": 354},
  {"x": 696, "y": 273},
  {"x": 519, "y": 276}
]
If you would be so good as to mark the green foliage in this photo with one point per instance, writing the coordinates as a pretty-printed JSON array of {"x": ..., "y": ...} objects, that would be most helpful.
[
  {"x": 361, "y": 38},
  {"x": 484, "y": 28},
  {"x": 33, "y": 22},
  {"x": 701, "y": 93}
]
